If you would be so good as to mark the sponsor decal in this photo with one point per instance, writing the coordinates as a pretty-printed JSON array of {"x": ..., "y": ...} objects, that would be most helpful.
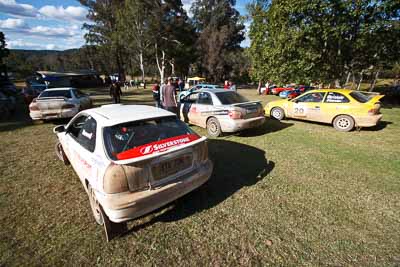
[
  {"x": 158, "y": 146},
  {"x": 87, "y": 135}
]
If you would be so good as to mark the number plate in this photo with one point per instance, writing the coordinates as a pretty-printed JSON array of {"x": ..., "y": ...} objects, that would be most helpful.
[{"x": 172, "y": 166}]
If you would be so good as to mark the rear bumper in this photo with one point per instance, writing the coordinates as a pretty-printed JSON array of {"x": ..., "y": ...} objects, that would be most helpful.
[
  {"x": 128, "y": 206},
  {"x": 65, "y": 113},
  {"x": 230, "y": 126},
  {"x": 368, "y": 121}
]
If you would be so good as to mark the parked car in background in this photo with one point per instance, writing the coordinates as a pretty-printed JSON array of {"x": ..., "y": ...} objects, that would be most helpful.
[
  {"x": 278, "y": 90},
  {"x": 343, "y": 108},
  {"x": 131, "y": 160},
  {"x": 58, "y": 103},
  {"x": 266, "y": 91},
  {"x": 32, "y": 91},
  {"x": 220, "y": 111},
  {"x": 198, "y": 87}
]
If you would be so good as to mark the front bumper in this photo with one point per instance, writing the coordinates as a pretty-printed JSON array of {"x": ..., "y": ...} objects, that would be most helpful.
[
  {"x": 368, "y": 121},
  {"x": 128, "y": 206},
  {"x": 230, "y": 126}
]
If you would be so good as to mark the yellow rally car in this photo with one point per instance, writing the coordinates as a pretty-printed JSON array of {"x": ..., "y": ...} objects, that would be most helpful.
[{"x": 341, "y": 107}]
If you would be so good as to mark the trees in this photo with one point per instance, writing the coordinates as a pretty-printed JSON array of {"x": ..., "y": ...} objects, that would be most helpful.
[
  {"x": 3, "y": 50},
  {"x": 104, "y": 31},
  {"x": 220, "y": 33},
  {"x": 326, "y": 40}
]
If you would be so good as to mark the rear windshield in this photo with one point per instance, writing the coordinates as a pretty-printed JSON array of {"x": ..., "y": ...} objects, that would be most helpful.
[
  {"x": 139, "y": 138},
  {"x": 56, "y": 93},
  {"x": 228, "y": 98},
  {"x": 360, "y": 97}
]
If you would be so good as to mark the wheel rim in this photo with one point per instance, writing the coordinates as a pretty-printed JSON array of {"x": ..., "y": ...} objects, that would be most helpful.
[
  {"x": 343, "y": 123},
  {"x": 276, "y": 113},
  {"x": 213, "y": 127},
  {"x": 94, "y": 204}
]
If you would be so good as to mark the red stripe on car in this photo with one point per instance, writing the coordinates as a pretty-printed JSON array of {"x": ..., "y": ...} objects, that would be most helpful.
[{"x": 158, "y": 146}]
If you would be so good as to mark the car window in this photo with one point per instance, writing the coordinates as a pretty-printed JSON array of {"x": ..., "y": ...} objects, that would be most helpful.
[
  {"x": 311, "y": 97},
  {"x": 228, "y": 98},
  {"x": 204, "y": 98},
  {"x": 192, "y": 97},
  {"x": 334, "y": 97},
  {"x": 83, "y": 130},
  {"x": 79, "y": 93},
  {"x": 131, "y": 135},
  {"x": 56, "y": 93},
  {"x": 360, "y": 97}
]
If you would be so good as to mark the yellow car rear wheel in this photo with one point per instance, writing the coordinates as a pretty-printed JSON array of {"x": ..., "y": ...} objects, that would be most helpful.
[{"x": 343, "y": 123}]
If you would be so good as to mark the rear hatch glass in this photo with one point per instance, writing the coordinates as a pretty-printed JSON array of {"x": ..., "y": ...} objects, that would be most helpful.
[
  {"x": 141, "y": 138},
  {"x": 56, "y": 94},
  {"x": 360, "y": 97},
  {"x": 229, "y": 98}
]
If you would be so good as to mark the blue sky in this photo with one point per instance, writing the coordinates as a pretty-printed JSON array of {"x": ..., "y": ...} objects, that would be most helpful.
[{"x": 51, "y": 24}]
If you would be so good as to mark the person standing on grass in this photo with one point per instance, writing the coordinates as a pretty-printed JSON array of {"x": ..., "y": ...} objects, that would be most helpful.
[
  {"x": 169, "y": 97},
  {"x": 115, "y": 92},
  {"x": 156, "y": 94}
]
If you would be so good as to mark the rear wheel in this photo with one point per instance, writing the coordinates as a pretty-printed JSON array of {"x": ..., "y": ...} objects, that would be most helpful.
[
  {"x": 343, "y": 123},
  {"x": 213, "y": 127},
  {"x": 94, "y": 204},
  {"x": 277, "y": 113},
  {"x": 111, "y": 229},
  {"x": 60, "y": 153}
]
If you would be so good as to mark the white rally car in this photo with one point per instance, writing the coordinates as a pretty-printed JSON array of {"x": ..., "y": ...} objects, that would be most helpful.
[
  {"x": 221, "y": 111},
  {"x": 131, "y": 160}
]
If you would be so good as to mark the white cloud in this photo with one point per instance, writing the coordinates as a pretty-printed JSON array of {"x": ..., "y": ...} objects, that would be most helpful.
[
  {"x": 22, "y": 44},
  {"x": 13, "y": 24},
  {"x": 55, "y": 32},
  {"x": 76, "y": 13},
  {"x": 11, "y": 7}
]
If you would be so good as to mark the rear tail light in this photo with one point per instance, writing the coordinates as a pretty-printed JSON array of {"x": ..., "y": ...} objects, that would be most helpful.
[
  {"x": 66, "y": 106},
  {"x": 202, "y": 151},
  {"x": 373, "y": 111},
  {"x": 115, "y": 180},
  {"x": 33, "y": 106},
  {"x": 233, "y": 114},
  {"x": 138, "y": 176}
]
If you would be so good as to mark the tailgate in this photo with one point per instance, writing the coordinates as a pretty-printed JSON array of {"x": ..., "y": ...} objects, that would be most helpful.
[
  {"x": 50, "y": 105},
  {"x": 250, "y": 109},
  {"x": 374, "y": 101}
]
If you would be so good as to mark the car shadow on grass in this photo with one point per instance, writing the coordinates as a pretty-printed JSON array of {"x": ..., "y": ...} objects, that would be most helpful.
[
  {"x": 269, "y": 126},
  {"x": 236, "y": 166},
  {"x": 380, "y": 126}
]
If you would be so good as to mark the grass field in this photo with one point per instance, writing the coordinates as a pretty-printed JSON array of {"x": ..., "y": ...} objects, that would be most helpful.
[{"x": 290, "y": 193}]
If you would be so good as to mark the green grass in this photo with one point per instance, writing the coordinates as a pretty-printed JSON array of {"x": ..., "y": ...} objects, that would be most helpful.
[{"x": 291, "y": 193}]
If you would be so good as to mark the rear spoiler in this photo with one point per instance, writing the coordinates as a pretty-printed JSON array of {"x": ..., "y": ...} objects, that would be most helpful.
[
  {"x": 154, "y": 155},
  {"x": 375, "y": 98},
  {"x": 244, "y": 103}
]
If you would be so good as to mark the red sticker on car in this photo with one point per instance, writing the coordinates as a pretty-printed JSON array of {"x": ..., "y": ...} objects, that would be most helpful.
[{"x": 158, "y": 146}]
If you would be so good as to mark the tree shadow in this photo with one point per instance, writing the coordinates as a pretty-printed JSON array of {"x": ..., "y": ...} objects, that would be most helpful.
[
  {"x": 236, "y": 166},
  {"x": 19, "y": 119}
]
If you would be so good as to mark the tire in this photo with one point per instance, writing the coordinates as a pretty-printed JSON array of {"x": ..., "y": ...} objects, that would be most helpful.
[
  {"x": 213, "y": 127},
  {"x": 95, "y": 206},
  {"x": 60, "y": 153},
  {"x": 343, "y": 123},
  {"x": 277, "y": 113}
]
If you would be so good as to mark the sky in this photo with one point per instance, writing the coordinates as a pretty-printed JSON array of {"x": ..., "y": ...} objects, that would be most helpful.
[{"x": 53, "y": 24}]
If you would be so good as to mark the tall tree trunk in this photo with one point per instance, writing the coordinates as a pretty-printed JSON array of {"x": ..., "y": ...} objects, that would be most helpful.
[
  {"x": 361, "y": 79},
  {"x": 348, "y": 77},
  {"x": 160, "y": 63},
  {"x": 372, "y": 87},
  {"x": 172, "y": 63},
  {"x": 142, "y": 66}
]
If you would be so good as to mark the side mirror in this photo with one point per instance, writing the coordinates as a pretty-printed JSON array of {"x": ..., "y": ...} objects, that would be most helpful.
[{"x": 59, "y": 129}]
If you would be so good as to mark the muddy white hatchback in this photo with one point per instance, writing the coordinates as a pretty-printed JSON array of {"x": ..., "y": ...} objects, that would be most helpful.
[{"x": 132, "y": 160}]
